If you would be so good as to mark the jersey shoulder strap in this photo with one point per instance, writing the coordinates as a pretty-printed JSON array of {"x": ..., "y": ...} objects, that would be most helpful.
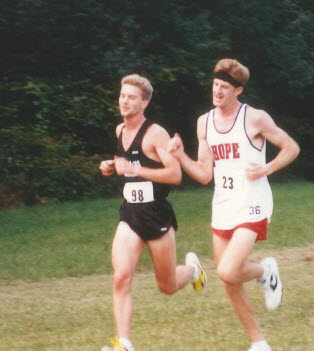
[
  {"x": 143, "y": 129},
  {"x": 137, "y": 142},
  {"x": 120, "y": 135}
]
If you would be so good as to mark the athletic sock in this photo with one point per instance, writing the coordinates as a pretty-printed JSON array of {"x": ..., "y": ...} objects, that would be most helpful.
[
  {"x": 265, "y": 274},
  {"x": 126, "y": 343},
  {"x": 261, "y": 345},
  {"x": 196, "y": 271}
]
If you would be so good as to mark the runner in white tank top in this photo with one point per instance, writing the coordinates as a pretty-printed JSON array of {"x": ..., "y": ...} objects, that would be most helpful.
[
  {"x": 236, "y": 199},
  {"x": 232, "y": 140}
]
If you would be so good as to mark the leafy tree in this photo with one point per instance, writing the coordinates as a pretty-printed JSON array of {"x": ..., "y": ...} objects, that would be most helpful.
[{"x": 62, "y": 63}]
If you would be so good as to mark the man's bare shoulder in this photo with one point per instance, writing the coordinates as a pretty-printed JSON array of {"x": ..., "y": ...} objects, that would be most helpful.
[
  {"x": 156, "y": 132},
  {"x": 202, "y": 119},
  {"x": 201, "y": 125},
  {"x": 256, "y": 117},
  {"x": 119, "y": 128}
]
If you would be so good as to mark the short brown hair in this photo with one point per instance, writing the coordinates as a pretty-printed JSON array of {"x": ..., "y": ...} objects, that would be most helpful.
[
  {"x": 234, "y": 68},
  {"x": 140, "y": 82}
]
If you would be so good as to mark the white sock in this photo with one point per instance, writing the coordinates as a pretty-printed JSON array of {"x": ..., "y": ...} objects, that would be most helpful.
[
  {"x": 126, "y": 343},
  {"x": 265, "y": 274},
  {"x": 261, "y": 345},
  {"x": 196, "y": 271}
]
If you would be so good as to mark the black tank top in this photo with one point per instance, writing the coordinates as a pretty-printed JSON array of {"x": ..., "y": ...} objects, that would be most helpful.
[{"x": 136, "y": 156}]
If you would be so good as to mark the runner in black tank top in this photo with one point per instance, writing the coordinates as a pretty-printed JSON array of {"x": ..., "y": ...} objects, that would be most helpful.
[
  {"x": 146, "y": 217},
  {"x": 150, "y": 220}
]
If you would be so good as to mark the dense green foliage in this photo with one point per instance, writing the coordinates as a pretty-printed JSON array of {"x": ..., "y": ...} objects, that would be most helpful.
[{"x": 62, "y": 62}]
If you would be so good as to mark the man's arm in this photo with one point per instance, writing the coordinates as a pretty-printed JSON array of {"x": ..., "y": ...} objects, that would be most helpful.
[
  {"x": 154, "y": 146},
  {"x": 289, "y": 149},
  {"x": 107, "y": 167},
  {"x": 202, "y": 169}
]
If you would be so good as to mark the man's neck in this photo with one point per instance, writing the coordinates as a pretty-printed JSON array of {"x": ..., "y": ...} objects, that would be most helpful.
[
  {"x": 229, "y": 111},
  {"x": 134, "y": 122}
]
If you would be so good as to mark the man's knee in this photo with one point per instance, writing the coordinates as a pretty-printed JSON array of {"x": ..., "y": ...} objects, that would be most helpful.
[
  {"x": 168, "y": 289},
  {"x": 122, "y": 280},
  {"x": 227, "y": 274}
]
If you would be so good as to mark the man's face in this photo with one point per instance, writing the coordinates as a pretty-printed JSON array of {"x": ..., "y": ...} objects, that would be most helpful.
[
  {"x": 224, "y": 93},
  {"x": 131, "y": 102}
]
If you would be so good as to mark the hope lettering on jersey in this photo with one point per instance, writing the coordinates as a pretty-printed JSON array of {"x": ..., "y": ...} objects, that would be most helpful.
[
  {"x": 138, "y": 192},
  {"x": 136, "y": 163},
  {"x": 225, "y": 151}
]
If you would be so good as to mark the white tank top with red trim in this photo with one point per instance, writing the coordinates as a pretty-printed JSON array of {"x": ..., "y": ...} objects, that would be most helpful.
[{"x": 236, "y": 199}]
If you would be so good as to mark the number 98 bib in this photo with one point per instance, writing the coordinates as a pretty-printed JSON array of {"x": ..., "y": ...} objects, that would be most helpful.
[{"x": 138, "y": 192}]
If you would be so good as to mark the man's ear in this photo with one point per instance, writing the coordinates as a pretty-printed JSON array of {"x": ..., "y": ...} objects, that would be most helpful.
[
  {"x": 145, "y": 103},
  {"x": 239, "y": 90}
]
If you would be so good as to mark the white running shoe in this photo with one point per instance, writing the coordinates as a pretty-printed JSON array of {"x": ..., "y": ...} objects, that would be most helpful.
[
  {"x": 272, "y": 284},
  {"x": 113, "y": 348},
  {"x": 116, "y": 346},
  {"x": 260, "y": 346},
  {"x": 199, "y": 283}
]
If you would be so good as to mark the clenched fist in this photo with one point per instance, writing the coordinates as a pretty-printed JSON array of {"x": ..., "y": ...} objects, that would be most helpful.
[{"x": 107, "y": 167}]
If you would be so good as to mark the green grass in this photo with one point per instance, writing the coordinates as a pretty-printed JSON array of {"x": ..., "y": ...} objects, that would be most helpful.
[
  {"x": 57, "y": 240},
  {"x": 74, "y": 239},
  {"x": 56, "y": 279},
  {"x": 75, "y": 313}
]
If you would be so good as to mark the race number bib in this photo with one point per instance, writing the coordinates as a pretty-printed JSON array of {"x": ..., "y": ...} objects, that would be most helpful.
[
  {"x": 138, "y": 192},
  {"x": 228, "y": 180}
]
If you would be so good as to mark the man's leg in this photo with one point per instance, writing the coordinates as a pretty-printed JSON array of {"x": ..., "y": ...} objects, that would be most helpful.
[
  {"x": 170, "y": 278},
  {"x": 233, "y": 266},
  {"x": 127, "y": 249},
  {"x": 234, "y": 269}
]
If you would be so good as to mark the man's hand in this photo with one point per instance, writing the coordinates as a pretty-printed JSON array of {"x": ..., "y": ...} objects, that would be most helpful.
[
  {"x": 107, "y": 167},
  {"x": 255, "y": 171},
  {"x": 175, "y": 146}
]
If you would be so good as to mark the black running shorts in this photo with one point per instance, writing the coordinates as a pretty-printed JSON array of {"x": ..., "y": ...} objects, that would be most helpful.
[{"x": 149, "y": 220}]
